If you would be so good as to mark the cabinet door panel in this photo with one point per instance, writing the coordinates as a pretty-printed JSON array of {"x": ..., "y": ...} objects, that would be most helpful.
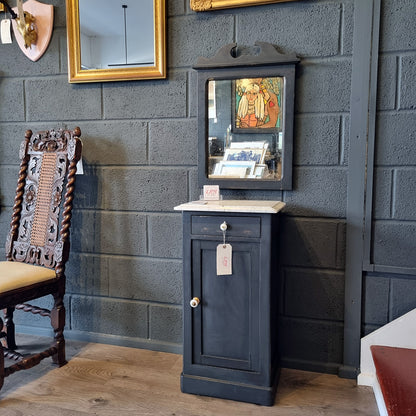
[{"x": 225, "y": 325}]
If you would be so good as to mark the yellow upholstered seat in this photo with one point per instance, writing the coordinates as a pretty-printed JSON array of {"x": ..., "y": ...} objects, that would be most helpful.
[{"x": 14, "y": 275}]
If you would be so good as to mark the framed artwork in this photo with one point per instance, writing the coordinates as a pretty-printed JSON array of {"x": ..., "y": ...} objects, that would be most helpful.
[
  {"x": 257, "y": 104},
  {"x": 235, "y": 168},
  {"x": 206, "y": 5},
  {"x": 259, "y": 171},
  {"x": 247, "y": 151},
  {"x": 240, "y": 155}
]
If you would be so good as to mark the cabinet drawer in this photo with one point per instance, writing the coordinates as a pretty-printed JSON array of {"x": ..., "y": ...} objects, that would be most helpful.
[{"x": 236, "y": 226}]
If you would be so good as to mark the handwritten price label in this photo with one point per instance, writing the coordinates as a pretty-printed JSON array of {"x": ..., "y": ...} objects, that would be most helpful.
[
  {"x": 211, "y": 192},
  {"x": 224, "y": 259}
]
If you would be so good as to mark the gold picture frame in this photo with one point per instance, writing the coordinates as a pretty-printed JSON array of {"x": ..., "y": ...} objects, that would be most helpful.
[
  {"x": 206, "y": 5},
  {"x": 76, "y": 73}
]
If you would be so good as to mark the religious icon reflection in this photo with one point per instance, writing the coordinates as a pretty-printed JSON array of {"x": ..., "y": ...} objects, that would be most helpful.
[{"x": 258, "y": 102}]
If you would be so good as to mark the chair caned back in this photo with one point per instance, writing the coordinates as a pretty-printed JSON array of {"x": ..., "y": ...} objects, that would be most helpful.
[{"x": 42, "y": 210}]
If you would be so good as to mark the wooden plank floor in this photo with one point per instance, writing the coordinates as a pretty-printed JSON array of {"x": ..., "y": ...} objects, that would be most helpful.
[{"x": 108, "y": 380}]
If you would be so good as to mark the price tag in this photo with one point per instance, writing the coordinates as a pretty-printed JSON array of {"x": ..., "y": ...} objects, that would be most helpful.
[
  {"x": 211, "y": 192},
  {"x": 80, "y": 167},
  {"x": 224, "y": 259},
  {"x": 6, "y": 36}
]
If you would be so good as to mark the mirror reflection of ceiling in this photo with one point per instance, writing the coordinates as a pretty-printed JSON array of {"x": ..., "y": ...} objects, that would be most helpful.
[{"x": 113, "y": 35}]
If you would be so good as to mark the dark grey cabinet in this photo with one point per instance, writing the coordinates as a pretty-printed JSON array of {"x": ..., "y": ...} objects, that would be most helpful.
[{"x": 230, "y": 331}]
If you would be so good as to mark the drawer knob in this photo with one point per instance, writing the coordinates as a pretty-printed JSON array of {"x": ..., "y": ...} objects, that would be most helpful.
[
  {"x": 224, "y": 226},
  {"x": 194, "y": 302}
]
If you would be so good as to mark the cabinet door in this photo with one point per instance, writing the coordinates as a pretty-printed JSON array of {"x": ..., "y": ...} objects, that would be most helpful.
[{"x": 225, "y": 325}]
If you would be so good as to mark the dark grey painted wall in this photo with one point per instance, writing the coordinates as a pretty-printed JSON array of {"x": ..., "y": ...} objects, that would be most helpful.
[
  {"x": 390, "y": 265},
  {"x": 125, "y": 272}
]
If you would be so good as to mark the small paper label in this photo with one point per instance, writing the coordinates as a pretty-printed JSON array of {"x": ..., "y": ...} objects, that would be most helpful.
[
  {"x": 211, "y": 192},
  {"x": 224, "y": 259},
  {"x": 80, "y": 167},
  {"x": 5, "y": 32}
]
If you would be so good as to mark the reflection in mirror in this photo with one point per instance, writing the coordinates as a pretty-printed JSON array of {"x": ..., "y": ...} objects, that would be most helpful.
[
  {"x": 116, "y": 40},
  {"x": 125, "y": 25},
  {"x": 245, "y": 139}
]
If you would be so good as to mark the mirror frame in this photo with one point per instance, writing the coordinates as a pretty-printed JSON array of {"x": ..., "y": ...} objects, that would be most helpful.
[
  {"x": 76, "y": 74},
  {"x": 206, "y": 5},
  {"x": 226, "y": 66}
]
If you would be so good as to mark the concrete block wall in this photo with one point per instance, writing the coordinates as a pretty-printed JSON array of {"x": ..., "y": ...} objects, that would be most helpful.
[
  {"x": 395, "y": 158},
  {"x": 140, "y": 160},
  {"x": 389, "y": 295}
]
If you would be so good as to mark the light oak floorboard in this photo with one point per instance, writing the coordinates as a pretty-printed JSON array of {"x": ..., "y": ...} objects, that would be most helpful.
[{"x": 109, "y": 380}]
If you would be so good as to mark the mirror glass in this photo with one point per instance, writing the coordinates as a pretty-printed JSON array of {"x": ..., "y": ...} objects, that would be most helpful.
[
  {"x": 115, "y": 40},
  {"x": 118, "y": 24},
  {"x": 246, "y": 128}
]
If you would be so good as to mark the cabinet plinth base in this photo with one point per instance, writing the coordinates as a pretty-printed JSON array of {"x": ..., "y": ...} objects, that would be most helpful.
[{"x": 224, "y": 389}]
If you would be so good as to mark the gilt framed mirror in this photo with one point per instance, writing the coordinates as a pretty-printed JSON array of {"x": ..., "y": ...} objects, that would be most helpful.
[
  {"x": 245, "y": 118},
  {"x": 206, "y": 5},
  {"x": 116, "y": 40}
]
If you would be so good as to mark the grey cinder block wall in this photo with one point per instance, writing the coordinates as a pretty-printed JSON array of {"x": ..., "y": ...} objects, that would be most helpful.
[
  {"x": 390, "y": 276},
  {"x": 140, "y": 160}
]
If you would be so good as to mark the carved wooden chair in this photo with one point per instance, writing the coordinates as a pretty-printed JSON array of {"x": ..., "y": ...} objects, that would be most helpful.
[{"x": 37, "y": 246}]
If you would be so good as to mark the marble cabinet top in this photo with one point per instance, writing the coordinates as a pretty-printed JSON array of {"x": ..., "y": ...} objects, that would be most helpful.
[{"x": 248, "y": 206}]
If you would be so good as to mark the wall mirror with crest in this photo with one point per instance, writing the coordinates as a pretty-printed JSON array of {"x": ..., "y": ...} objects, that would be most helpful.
[
  {"x": 245, "y": 118},
  {"x": 116, "y": 40}
]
